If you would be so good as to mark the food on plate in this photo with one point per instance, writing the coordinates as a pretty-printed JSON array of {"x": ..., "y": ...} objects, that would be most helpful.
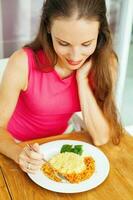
[{"x": 70, "y": 163}]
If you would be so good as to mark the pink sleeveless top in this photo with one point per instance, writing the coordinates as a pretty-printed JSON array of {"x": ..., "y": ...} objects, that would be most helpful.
[{"x": 46, "y": 106}]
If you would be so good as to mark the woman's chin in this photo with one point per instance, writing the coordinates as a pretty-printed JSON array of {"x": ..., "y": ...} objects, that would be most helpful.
[{"x": 73, "y": 67}]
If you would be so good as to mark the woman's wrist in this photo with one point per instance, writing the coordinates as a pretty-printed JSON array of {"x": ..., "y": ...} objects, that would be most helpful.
[
  {"x": 81, "y": 78},
  {"x": 83, "y": 84},
  {"x": 16, "y": 152}
]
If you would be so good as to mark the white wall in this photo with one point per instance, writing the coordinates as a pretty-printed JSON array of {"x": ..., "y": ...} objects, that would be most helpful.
[
  {"x": 1, "y": 33},
  {"x": 18, "y": 23},
  {"x": 123, "y": 44}
]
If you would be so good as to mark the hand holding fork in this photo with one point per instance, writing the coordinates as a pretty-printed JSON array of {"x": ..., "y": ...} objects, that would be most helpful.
[{"x": 57, "y": 174}]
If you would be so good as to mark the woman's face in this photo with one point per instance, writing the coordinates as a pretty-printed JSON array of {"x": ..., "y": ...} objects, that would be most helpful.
[{"x": 74, "y": 41}]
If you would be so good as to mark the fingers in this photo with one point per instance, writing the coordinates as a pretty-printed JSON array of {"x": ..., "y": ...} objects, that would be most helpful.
[
  {"x": 33, "y": 154},
  {"x": 28, "y": 167},
  {"x": 30, "y": 160},
  {"x": 36, "y": 147}
]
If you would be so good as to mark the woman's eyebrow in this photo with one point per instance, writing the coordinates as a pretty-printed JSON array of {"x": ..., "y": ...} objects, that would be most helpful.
[{"x": 69, "y": 43}]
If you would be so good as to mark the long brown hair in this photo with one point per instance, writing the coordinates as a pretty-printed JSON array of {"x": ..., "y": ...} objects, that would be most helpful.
[{"x": 102, "y": 72}]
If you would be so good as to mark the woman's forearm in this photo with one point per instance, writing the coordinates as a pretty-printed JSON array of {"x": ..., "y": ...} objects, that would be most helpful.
[
  {"x": 8, "y": 147},
  {"x": 93, "y": 117}
]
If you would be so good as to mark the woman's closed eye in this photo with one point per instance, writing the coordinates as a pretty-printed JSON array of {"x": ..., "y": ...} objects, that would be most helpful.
[
  {"x": 86, "y": 45},
  {"x": 63, "y": 44},
  {"x": 66, "y": 44}
]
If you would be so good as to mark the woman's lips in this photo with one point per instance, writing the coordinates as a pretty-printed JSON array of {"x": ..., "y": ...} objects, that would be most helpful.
[{"x": 73, "y": 62}]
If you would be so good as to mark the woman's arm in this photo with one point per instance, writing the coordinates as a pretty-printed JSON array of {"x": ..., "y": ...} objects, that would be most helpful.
[
  {"x": 94, "y": 119},
  {"x": 13, "y": 81},
  {"x": 8, "y": 146},
  {"x": 95, "y": 122}
]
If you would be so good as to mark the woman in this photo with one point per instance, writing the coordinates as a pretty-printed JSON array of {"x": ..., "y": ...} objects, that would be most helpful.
[{"x": 69, "y": 67}]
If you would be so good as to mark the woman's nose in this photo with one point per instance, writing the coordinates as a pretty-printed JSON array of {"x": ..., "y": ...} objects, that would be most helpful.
[{"x": 75, "y": 54}]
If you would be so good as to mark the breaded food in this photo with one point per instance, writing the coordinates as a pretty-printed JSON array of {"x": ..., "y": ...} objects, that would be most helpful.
[{"x": 74, "y": 167}]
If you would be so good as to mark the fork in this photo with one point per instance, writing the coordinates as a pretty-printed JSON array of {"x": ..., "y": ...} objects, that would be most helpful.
[{"x": 57, "y": 174}]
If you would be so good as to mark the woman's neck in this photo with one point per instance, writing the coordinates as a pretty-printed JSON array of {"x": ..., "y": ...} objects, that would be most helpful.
[{"x": 63, "y": 72}]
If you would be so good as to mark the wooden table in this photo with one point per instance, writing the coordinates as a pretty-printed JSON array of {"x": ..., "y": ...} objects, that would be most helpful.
[{"x": 16, "y": 185}]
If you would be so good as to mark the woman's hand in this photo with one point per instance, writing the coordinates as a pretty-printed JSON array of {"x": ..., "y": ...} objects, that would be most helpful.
[
  {"x": 83, "y": 71},
  {"x": 30, "y": 160}
]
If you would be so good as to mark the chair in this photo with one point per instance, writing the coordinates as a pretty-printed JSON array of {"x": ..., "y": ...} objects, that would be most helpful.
[{"x": 3, "y": 63}]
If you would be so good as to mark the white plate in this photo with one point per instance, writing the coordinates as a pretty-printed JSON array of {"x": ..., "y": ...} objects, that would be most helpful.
[{"x": 101, "y": 172}]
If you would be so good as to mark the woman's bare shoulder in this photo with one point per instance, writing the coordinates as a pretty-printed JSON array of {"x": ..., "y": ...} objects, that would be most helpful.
[
  {"x": 18, "y": 66},
  {"x": 18, "y": 57},
  {"x": 13, "y": 81}
]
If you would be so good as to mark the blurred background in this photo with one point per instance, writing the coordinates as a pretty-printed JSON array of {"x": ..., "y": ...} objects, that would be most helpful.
[{"x": 19, "y": 21}]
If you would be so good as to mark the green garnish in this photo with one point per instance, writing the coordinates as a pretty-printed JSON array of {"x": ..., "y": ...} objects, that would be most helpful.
[
  {"x": 69, "y": 148},
  {"x": 66, "y": 148}
]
